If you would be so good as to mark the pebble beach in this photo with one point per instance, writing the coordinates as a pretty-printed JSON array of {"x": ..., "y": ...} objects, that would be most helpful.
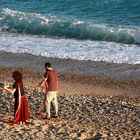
[
  {"x": 90, "y": 108},
  {"x": 80, "y": 117}
]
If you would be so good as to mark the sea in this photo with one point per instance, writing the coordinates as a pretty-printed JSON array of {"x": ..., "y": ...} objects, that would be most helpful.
[{"x": 95, "y": 30}]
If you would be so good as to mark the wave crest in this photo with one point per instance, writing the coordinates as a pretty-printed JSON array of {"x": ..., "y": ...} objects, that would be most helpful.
[{"x": 22, "y": 22}]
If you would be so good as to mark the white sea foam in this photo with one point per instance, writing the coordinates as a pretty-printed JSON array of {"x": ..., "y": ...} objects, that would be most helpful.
[{"x": 70, "y": 48}]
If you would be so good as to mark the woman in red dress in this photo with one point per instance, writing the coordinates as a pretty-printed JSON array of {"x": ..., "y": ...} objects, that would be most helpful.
[{"x": 21, "y": 112}]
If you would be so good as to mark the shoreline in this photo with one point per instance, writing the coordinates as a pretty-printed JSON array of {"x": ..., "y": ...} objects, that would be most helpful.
[{"x": 72, "y": 73}]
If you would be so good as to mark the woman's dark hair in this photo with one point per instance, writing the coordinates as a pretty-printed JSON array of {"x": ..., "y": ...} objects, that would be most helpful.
[
  {"x": 17, "y": 76},
  {"x": 47, "y": 64}
]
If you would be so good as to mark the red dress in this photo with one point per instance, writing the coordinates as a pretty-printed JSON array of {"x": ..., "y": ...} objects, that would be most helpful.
[{"x": 21, "y": 113}]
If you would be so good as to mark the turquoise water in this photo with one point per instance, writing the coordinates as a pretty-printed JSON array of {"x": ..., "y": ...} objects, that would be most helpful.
[
  {"x": 102, "y": 20},
  {"x": 96, "y": 30},
  {"x": 113, "y": 12}
]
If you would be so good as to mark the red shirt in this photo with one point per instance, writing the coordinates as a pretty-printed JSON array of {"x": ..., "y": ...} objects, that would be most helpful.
[{"x": 52, "y": 80}]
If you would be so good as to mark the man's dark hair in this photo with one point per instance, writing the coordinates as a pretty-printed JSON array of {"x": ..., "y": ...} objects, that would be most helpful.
[{"x": 47, "y": 64}]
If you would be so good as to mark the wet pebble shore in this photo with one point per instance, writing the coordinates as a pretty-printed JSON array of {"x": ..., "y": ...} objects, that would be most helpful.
[{"x": 80, "y": 118}]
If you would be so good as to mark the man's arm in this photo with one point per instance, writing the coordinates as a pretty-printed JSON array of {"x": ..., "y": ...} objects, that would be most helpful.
[{"x": 41, "y": 83}]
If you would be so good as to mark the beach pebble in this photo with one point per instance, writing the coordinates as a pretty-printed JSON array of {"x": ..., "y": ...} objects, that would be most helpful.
[{"x": 80, "y": 117}]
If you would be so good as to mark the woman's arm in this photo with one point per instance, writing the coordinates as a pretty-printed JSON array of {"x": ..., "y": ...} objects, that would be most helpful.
[{"x": 11, "y": 90}]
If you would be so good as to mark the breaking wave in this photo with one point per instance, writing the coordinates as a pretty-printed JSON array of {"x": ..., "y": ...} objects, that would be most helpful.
[{"x": 37, "y": 24}]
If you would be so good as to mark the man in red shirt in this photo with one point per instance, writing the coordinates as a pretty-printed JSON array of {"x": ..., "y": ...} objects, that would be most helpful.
[{"x": 51, "y": 79}]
